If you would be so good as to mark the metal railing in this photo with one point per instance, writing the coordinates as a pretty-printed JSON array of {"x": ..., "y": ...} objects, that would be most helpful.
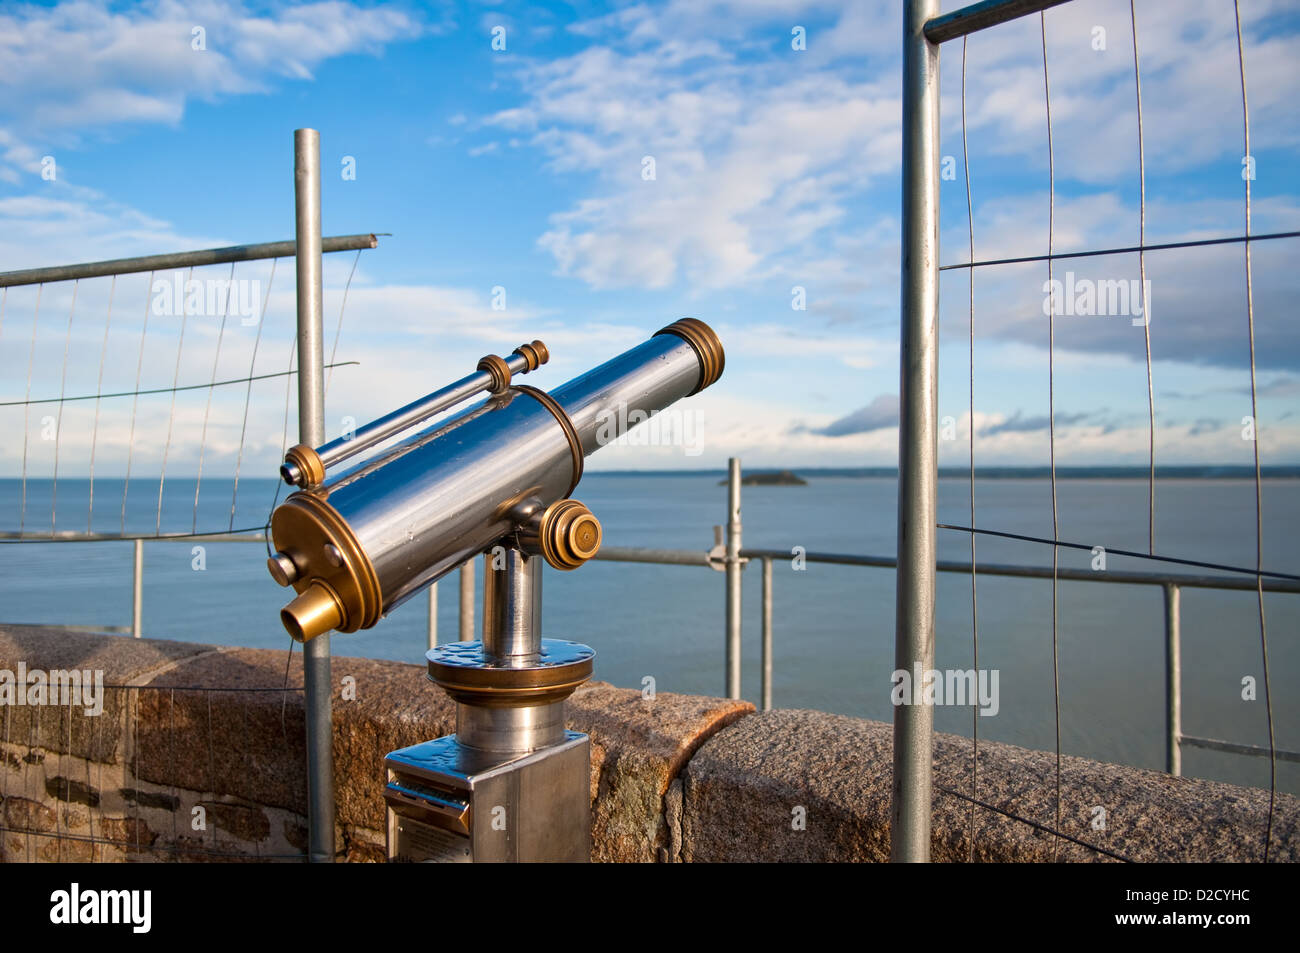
[{"x": 729, "y": 555}]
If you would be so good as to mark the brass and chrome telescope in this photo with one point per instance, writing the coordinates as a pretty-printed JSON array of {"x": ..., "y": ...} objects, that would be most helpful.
[
  {"x": 497, "y": 478},
  {"x": 356, "y": 545}
]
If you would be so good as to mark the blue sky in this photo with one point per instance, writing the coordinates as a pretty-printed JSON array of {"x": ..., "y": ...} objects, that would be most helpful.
[{"x": 775, "y": 168}]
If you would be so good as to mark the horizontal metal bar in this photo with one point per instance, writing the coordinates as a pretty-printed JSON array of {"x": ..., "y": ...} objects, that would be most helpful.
[
  {"x": 1035, "y": 572},
  {"x": 111, "y": 629},
  {"x": 1125, "y": 250},
  {"x": 667, "y": 557},
  {"x": 182, "y": 259},
  {"x": 232, "y": 689},
  {"x": 187, "y": 849},
  {"x": 696, "y": 557},
  {"x": 1115, "y": 551},
  {"x": 238, "y": 536},
  {"x": 981, "y": 16},
  {"x": 1231, "y": 747},
  {"x": 840, "y": 559},
  {"x": 690, "y": 557}
]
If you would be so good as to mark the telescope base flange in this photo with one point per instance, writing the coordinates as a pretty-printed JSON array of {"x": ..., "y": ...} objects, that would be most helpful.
[{"x": 472, "y": 677}]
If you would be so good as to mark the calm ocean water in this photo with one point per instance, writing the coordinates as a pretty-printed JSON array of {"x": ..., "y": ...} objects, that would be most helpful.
[{"x": 834, "y": 626}]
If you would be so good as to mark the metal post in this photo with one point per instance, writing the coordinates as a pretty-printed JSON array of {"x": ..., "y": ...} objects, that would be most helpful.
[
  {"x": 137, "y": 592},
  {"x": 733, "y": 577},
  {"x": 512, "y": 607},
  {"x": 311, "y": 432},
  {"x": 433, "y": 616},
  {"x": 767, "y": 633},
  {"x": 917, "y": 447},
  {"x": 467, "y": 601},
  {"x": 1173, "y": 683}
]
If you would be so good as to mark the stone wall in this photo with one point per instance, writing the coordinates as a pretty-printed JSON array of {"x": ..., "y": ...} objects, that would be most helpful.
[{"x": 198, "y": 755}]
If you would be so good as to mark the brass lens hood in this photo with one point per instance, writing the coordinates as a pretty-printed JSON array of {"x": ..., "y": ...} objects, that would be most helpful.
[{"x": 706, "y": 345}]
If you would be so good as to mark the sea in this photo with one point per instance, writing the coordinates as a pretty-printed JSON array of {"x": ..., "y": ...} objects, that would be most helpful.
[{"x": 833, "y": 625}]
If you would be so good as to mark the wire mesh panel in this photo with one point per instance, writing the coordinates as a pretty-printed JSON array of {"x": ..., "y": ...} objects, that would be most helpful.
[
  {"x": 1100, "y": 260},
  {"x": 136, "y": 774},
  {"x": 139, "y": 404},
  {"x": 147, "y": 399}
]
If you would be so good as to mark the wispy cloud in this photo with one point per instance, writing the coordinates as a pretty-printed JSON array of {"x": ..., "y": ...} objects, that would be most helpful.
[
  {"x": 880, "y": 414},
  {"x": 1018, "y": 423},
  {"x": 709, "y": 167}
]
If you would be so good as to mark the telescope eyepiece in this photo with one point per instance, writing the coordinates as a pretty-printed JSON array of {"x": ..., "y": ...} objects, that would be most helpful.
[{"x": 316, "y": 610}]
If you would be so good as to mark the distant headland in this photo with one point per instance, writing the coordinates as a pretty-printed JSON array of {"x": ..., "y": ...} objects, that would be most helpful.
[{"x": 778, "y": 478}]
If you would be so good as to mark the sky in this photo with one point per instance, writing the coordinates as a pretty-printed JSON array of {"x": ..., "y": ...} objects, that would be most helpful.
[{"x": 586, "y": 174}]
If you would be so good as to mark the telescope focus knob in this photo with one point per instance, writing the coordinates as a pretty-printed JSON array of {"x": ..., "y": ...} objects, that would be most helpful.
[{"x": 566, "y": 534}]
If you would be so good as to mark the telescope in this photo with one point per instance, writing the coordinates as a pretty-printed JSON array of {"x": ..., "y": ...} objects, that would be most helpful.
[{"x": 361, "y": 536}]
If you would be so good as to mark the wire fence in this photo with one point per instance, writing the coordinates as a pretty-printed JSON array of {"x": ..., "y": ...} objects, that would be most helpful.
[
  {"x": 104, "y": 784},
  {"x": 964, "y": 24},
  {"x": 175, "y": 344}
]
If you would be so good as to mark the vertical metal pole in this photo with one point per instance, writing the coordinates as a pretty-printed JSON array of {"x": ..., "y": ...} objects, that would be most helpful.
[
  {"x": 467, "y": 601},
  {"x": 311, "y": 431},
  {"x": 512, "y": 607},
  {"x": 767, "y": 633},
  {"x": 917, "y": 447},
  {"x": 433, "y": 616},
  {"x": 1173, "y": 682},
  {"x": 733, "y": 577},
  {"x": 137, "y": 592}
]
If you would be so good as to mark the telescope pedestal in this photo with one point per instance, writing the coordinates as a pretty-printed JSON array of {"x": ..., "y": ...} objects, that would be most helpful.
[
  {"x": 450, "y": 803},
  {"x": 511, "y": 784}
]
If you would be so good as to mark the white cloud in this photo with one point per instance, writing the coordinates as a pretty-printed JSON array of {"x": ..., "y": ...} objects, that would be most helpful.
[
  {"x": 751, "y": 160},
  {"x": 81, "y": 67},
  {"x": 1188, "y": 55},
  {"x": 772, "y": 169}
]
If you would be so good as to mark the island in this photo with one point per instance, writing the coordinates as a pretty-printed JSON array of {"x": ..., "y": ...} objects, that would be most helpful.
[{"x": 779, "y": 478}]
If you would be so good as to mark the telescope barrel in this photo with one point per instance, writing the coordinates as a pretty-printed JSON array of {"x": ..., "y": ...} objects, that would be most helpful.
[{"x": 360, "y": 544}]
